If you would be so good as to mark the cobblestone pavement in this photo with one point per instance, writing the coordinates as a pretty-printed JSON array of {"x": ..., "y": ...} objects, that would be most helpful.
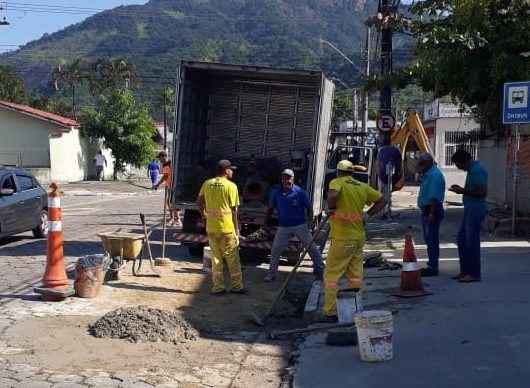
[{"x": 88, "y": 210}]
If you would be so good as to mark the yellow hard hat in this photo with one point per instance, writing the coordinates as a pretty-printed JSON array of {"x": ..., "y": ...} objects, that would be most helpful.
[{"x": 345, "y": 165}]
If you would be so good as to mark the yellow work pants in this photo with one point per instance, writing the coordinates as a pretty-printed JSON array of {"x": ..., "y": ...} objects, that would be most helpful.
[
  {"x": 345, "y": 258},
  {"x": 225, "y": 248}
]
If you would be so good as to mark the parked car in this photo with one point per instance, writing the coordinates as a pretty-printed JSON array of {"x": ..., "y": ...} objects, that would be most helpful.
[{"x": 23, "y": 203}]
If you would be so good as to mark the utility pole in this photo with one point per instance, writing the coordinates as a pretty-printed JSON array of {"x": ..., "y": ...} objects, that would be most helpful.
[
  {"x": 368, "y": 53},
  {"x": 73, "y": 101},
  {"x": 165, "y": 118},
  {"x": 386, "y": 11},
  {"x": 355, "y": 107}
]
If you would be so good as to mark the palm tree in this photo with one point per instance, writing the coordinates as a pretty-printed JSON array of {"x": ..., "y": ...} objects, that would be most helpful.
[
  {"x": 112, "y": 74},
  {"x": 67, "y": 76}
]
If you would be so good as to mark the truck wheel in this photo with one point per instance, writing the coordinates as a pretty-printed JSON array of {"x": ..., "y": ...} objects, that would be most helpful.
[
  {"x": 292, "y": 257},
  {"x": 196, "y": 250},
  {"x": 41, "y": 230}
]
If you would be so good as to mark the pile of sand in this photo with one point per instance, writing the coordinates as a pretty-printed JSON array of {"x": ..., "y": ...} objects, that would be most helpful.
[{"x": 143, "y": 324}]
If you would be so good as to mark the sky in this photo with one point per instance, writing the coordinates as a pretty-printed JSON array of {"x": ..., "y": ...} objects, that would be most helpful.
[{"x": 30, "y": 19}]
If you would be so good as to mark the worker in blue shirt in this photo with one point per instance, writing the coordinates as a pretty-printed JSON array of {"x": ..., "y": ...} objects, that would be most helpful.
[
  {"x": 294, "y": 212},
  {"x": 153, "y": 170},
  {"x": 474, "y": 191},
  {"x": 430, "y": 201}
]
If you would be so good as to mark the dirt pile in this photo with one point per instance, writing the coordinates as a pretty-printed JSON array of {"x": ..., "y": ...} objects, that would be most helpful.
[{"x": 143, "y": 324}]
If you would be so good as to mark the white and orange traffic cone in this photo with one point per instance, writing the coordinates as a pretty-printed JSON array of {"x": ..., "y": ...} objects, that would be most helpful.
[
  {"x": 55, "y": 286},
  {"x": 411, "y": 284}
]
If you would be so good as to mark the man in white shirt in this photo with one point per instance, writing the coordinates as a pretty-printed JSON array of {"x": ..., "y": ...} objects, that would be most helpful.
[{"x": 101, "y": 162}]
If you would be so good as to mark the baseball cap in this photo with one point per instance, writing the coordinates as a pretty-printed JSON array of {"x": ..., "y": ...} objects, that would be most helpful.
[
  {"x": 288, "y": 172},
  {"x": 224, "y": 163},
  {"x": 345, "y": 165}
]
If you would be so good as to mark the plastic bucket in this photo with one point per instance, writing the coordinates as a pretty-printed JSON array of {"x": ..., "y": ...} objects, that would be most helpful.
[
  {"x": 374, "y": 331},
  {"x": 349, "y": 303},
  {"x": 207, "y": 259},
  {"x": 88, "y": 281}
]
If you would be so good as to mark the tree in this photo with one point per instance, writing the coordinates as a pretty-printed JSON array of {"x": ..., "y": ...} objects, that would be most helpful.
[
  {"x": 125, "y": 127},
  {"x": 11, "y": 86},
  {"x": 68, "y": 76},
  {"x": 468, "y": 48},
  {"x": 111, "y": 74}
]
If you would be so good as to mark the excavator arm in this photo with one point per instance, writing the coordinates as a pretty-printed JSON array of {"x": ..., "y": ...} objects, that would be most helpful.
[{"x": 411, "y": 128}]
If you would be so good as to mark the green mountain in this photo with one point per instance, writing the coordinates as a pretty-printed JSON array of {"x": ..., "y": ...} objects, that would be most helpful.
[{"x": 155, "y": 36}]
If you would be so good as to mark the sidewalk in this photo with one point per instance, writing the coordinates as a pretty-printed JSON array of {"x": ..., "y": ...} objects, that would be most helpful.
[{"x": 464, "y": 335}]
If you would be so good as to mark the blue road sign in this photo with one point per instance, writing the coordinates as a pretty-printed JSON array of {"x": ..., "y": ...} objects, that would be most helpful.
[{"x": 516, "y": 105}]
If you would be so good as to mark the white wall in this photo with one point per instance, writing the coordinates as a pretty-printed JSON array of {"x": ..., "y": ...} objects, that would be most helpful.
[
  {"x": 492, "y": 155},
  {"x": 24, "y": 137}
]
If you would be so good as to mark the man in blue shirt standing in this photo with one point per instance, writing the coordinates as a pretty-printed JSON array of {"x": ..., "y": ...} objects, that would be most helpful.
[
  {"x": 153, "y": 169},
  {"x": 292, "y": 203},
  {"x": 430, "y": 201},
  {"x": 474, "y": 192}
]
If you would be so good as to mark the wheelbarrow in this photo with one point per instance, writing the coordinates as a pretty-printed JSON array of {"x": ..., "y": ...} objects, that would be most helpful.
[{"x": 122, "y": 247}]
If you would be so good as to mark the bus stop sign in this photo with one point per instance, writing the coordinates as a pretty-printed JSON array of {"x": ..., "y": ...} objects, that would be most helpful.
[
  {"x": 516, "y": 106},
  {"x": 386, "y": 122}
]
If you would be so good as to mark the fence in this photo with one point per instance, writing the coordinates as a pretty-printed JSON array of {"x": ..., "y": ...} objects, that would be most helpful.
[{"x": 455, "y": 140}]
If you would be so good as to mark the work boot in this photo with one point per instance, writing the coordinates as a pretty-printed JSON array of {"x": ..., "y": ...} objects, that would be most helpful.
[
  {"x": 468, "y": 279},
  {"x": 240, "y": 291},
  {"x": 270, "y": 277},
  {"x": 328, "y": 319},
  {"x": 427, "y": 272}
]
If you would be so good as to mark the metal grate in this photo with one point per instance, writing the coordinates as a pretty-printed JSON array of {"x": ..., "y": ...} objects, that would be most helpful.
[{"x": 455, "y": 140}]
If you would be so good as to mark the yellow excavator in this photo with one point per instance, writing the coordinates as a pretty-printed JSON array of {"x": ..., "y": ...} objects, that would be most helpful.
[{"x": 412, "y": 128}]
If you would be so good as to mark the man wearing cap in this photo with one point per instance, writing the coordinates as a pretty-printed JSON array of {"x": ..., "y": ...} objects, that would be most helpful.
[
  {"x": 218, "y": 203},
  {"x": 347, "y": 199},
  {"x": 294, "y": 211},
  {"x": 430, "y": 201}
]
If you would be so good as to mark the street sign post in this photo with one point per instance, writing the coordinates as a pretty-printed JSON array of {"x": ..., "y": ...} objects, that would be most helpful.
[
  {"x": 516, "y": 104},
  {"x": 386, "y": 122},
  {"x": 516, "y": 110}
]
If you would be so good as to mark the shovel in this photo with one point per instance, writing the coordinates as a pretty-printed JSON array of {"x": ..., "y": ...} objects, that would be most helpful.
[
  {"x": 262, "y": 320},
  {"x": 148, "y": 246}
]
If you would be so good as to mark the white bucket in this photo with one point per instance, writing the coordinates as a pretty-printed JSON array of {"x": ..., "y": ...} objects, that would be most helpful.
[
  {"x": 349, "y": 303},
  {"x": 374, "y": 331},
  {"x": 207, "y": 259}
]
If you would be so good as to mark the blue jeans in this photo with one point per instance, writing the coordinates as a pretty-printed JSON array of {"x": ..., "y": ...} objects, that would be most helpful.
[
  {"x": 469, "y": 239},
  {"x": 281, "y": 241},
  {"x": 431, "y": 234}
]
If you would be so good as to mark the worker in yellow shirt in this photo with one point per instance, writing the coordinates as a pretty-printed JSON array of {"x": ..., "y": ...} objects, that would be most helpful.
[
  {"x": 218, "y": 203},
  {"x": 347, "y": 199}
]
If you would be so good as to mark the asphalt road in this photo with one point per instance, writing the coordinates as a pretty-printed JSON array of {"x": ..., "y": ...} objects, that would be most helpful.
[{"x": 85, "y": 213}]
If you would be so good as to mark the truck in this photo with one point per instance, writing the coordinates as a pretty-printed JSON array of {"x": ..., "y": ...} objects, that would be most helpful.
[{"x": 263, "y": 120}]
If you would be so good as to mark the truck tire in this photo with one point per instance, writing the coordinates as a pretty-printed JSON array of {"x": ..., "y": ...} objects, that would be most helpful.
[
  {"x": 292, "y": 257},
  {"x": 196, "y": 250},
  {"x": 253, "y": 254}
]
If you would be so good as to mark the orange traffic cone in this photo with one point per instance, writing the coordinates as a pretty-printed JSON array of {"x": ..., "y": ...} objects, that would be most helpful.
[
  {"x": 54, "y": 282},
  {"x": 411, "y": 284}
]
